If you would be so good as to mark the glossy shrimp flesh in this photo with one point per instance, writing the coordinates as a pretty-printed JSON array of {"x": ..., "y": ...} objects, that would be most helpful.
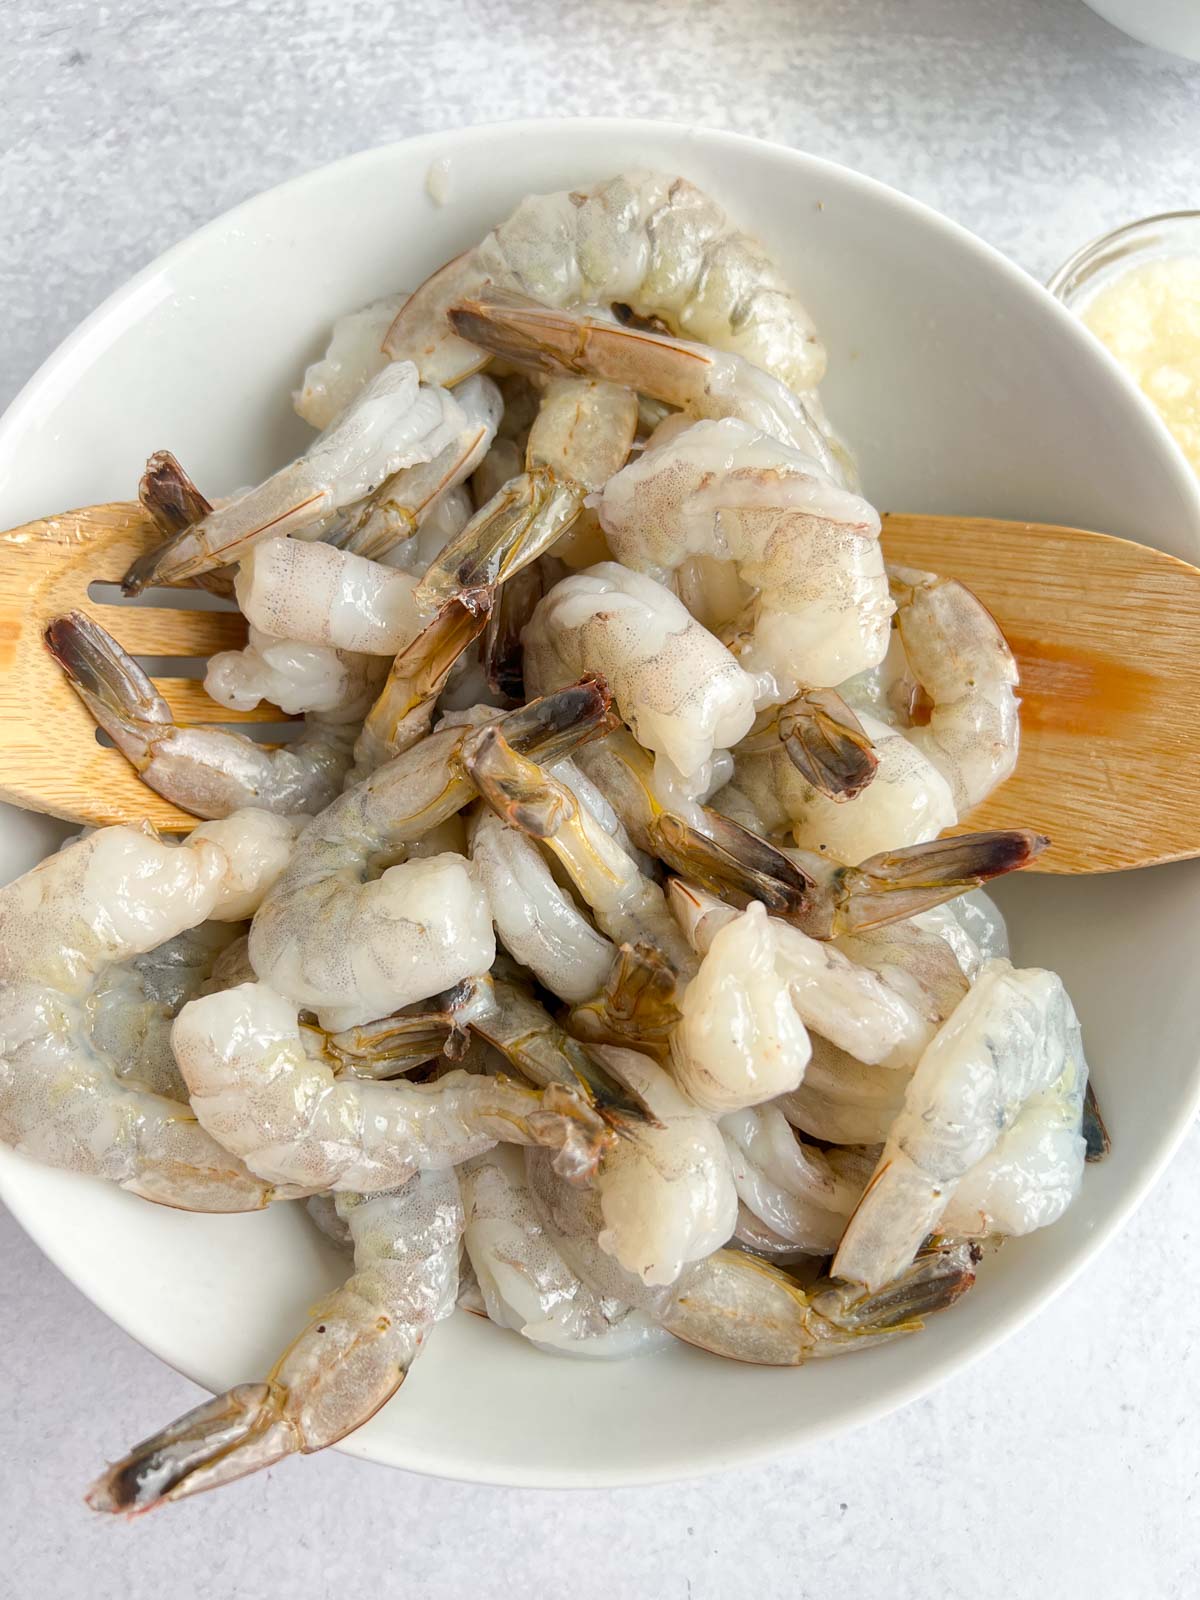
[
  {"x": 526, "y": 1283},
  {"x": 806, "y": 549},
  {"x": 352, "y": 358},
  {"x": 268, "y": 1091},
  {"x": 392, "y": 423},
  {"x": 353, "y": 945},
  {"x": 107, "y": 899},
  {"x": 348, "y": 1362},
  {"x": 647, "y": 240},
  {"x": 675, "y": 685},
  {"x": 995, "y": 1105}
]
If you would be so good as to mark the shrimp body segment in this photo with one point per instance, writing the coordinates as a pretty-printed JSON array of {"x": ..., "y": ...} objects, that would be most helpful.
[
  {"x": 348, "y": 1361},
  {"x": 354, "y": 946},
  {"x": 260, "y": 1086},
  {"x": 679, "y": 689},
  {"x": 996, "y": 1105},
  {"x": 644, "y": 239},
  {"x": 106, "y": 899},
  {"x": 807, "y": 549},
  {"x": 393, "y": 422},
  {"x": 526, "y": 1283}
]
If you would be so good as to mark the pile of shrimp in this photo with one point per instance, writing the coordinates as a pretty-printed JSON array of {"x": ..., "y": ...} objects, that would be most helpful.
[{"x": 593, "y": 958}]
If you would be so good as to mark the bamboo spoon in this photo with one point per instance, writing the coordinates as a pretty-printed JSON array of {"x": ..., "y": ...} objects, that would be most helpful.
[{"x": 1106, "y": 634}]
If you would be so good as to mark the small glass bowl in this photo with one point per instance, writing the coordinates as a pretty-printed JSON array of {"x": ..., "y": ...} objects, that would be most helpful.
[{"x": 1173, "y": 233}]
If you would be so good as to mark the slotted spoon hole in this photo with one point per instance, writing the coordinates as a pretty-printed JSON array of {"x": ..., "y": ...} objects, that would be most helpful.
[{"x": 167, "y": 598}]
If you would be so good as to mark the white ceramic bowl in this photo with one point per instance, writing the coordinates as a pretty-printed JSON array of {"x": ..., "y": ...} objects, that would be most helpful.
[{"x": 964, "y": 387}]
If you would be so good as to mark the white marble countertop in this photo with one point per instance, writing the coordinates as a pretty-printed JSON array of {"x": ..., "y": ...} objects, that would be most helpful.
[{"x": 1065, "y": 1465}]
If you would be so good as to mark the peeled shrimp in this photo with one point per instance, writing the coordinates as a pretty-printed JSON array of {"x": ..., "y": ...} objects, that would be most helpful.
[
  {"x": 961, "y": 659},
  {"x": 737, "y": 1305},
  {"x": 995, "y": 1104},
  {"x": 293, "y": 676},
  {"x": 696, "y": 378},
  {"x": 354, "y": 947},
  {"x": 743, "y": 1032},
  {"x": 647, "y": 240},
  {"x": 525, "y": 1281},
  {"x": 629, "y": 906},
  {"x": 207, "y": 771},
  {"x": 681, "y": 692},
  {"x": 804, "y": 1195},
  {"x": 908, "y": 801},
  {"x": 392, "y": 423},
  {"x": 268, "y": 1093},
  {"x": 582, "y": 434},
  {"x": 807, "y": 550},
  {"x": 133, "y": 1003},
  {"x": 346, "y": 1364},
  {"x": 109, "y": 898},
  {"x": 353, "y": 356}
]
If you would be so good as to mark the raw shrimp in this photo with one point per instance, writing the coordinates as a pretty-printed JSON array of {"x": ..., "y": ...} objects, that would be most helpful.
[
  {"x": 960, "y": 658},
  {"x": 908, "y": 801},
  {"x": 393, "y": 422},
  {"x": 679, "y": 689},
  {"x": 665, "y": 1187},
  {"x": 739, "y": 1306},
  {"x": 352, "y": 358},
  {"x": 743, "y": 1032},
  {"x": 111, "y": 897},
  {"x": 645, "y": 240},
  {"x": 823, "y": 898},
  {"x": 261, "y": 1086},
  {"x": 629, "y": 906},
  {"x": 843, "y": 1101},
  {"x": 526, "y": 1283},
  {"x": 133, "y": 1003},
  {"x": 403, "y": 710},
  {"x": 636, "y": 1006},
  {"x": 807, "y": 549},
  {"x": 804, "y": 1195},
  {"x": 349, "y": 1360},
  {"x": 994, "y": 1108},
  {"x": 354, "y": 947},
  {"x": 582, "y": 434},
  {"x": 315, "y": 594},
  {"x": 536, "y": 920},
  {"x": 705, "y": 384},
  {"x": 295, "y": 677},
  {"x": 207, "y": 771}
]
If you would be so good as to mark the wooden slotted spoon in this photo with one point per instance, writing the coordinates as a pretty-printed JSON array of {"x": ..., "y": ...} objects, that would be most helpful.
[{"x": 1106, "y": 634}]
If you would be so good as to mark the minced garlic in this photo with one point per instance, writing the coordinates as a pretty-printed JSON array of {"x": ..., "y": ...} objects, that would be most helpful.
[{"x": 1149, "y": 318}]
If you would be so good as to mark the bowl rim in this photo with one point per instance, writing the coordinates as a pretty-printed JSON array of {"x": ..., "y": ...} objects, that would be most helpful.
[{"x": 105, "y": 324}]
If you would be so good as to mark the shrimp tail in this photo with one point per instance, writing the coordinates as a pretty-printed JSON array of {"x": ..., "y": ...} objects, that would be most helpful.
[
  {"x": 535, "y": 337},
  {"x": 111, "y": 685},
  {"x": 827, "y": 744},
  {"x": 897, "y": 884},
  {"x": 515, "y": 787},
  {"x": 503, "y": 656},
  {"x": 169, "y": 495},
  {"x": 1096, "y": 1139},
  {"x": 557, "y": 723},
  {"x": 519, "y": 523},
  {"x": 732, "y": 862},
  {"x": 934, "y": 1281},
  {"x": 637, "y": 1007},
  {"x": 575, "y": 1129},
  {"x": 219, "y": 1441}
]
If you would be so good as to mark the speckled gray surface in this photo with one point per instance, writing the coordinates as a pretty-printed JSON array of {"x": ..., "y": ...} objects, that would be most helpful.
[{"x": 1066, "y": 1464}]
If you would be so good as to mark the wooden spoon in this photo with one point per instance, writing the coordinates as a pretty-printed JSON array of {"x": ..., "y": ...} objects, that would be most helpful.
[{"x": 1106, "y": 634}]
